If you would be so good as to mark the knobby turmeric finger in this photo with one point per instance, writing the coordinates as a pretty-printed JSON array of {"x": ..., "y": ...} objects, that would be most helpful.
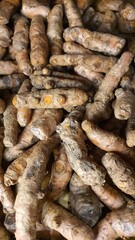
[
  {"x": 39, "y": 43},
  {"x": 65, "y": 223},
  {"x": 54, "y": 98},
  {"x": 128, "y": 12},
  {"x": 101, "y": 42},
  {"x": 33, "y": 8},
  {"x": 8, "y": 67},
  {"x": 100, "y": 108},
  {"x": 4, "y": 36},
  {"x": 55, "y": 29},
  {"x": 113, "y": 5},
  {"x": 71, "y": 47},
  {"x": 72, "y": 14},
  {"x": 11, "y": 81},
  {"x": 7, "y": 9}
]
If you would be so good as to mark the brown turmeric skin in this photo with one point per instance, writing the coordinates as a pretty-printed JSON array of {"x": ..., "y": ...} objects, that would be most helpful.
[
  {"x": 7, "y": 9},
  {"x": 24, "y": 114},
  {"x": 2, "y": 52},
  {"x": 11, "y": 81},
  {"x": 26, "y": 203},
  {"x": 65, "y": 223},
  {"x": 109, "y": 23},
  {"x": 33, "y": 8},
  {"x": 108, "y": 141},
  {"x": 2, "y": 105},
  {"x": 71, "y": 47},
  {"x": 20, "y": 44},
  {"x": 121, "y": 173},
  {"x": 45, "y": 126},
  {"x": 97, "y": 63},
  {"x": 125, "y": 26},
  {"x": 83, "y": 4},
  {"x": 8, "y": 67},
  {"x": 95, "y": 41},
  {"x": 72, "y": 14},
  {"x": 113, "y": 5},
  {"x": 118, "y": 223},
  {"x": 60, "y": 175},
  {"x": 4, "y": 36},
  {"x": 124, "y": 104},
  {"x": 39, "y": 43},
  {"x": 128, "y": 12},
  {"x": 11, "y": 126},
  {"x": 53, "y": 98},
  {"x": 100, "y": 108},
  {"x": 25, "y": 140},
  {"x": 130, "y": 130},
  {"x": 55, "y": 29},
  {"x": 84, "y": 203}
]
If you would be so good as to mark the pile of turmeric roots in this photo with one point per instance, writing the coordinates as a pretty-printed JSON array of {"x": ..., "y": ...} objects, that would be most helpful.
[{"x": 67, "y": 119}]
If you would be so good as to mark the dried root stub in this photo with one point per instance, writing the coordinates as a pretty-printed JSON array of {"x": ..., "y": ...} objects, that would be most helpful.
[
  {"x": 33, "y": 8},
  {"x": 7, "y": 9},
  {"x": 84, "y": 203},
  {"x": 100, "y": 108},
  {"x": 121, "y": 173},
  {"x": 26, "y": 203},
  {"x": 55, "y": 29},
  {"x": 72, "y": 14},
  {"x": 39, "y": 43},
  {"x": 54, "y": 98},
  {"x": 45, "y": 126},
  {"x": 118, "y": 223},
  {"x": 60, "y": 175},
  {"x": 20, "y": 44},
  {"x": 65, "y": 223},
  {"x": 95, "y": 41}
]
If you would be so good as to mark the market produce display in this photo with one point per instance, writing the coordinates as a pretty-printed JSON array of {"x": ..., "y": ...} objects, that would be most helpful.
[{"x": 67, "y": 119}]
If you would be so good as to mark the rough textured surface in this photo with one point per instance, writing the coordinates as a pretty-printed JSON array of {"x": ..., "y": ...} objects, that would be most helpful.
[
  {"x": 101, "y": 42},
  {"x": 65, "y": 223},
  {"x": 54, "y": 98},
  {"x": 7, "y": 9}
]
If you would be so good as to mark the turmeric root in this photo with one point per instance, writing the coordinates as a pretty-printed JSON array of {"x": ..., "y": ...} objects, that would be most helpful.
[
  {"x": 83, "y": 4},
  {"x": 24, "y": 114},
  {"x": 84, "y": 71},
  {"x": 108, "y": 141},
  {"x": 2, "y": 105},
  {"x": 72, "y": 14},
  {"x": 100, "y": 109},
  {"x": 11, "y": 126},
  {"x": 88, "y": 15},
  {"x": 65, "y": 223},
  {"x": 7, "y": 9},
  {"x": 54, "y": 98},
  {"x": 125, "y": 26},
  {"x": 26, "y": 203},
  {"x": 118, "y": 223},
  {"x": 95, "y": 41},
  {"x": 8, "y": 67},
  {"x": 33, "y": 8},
  {"x": 109, "y": 196},
  {"x": 128, "y": 83},
  {"x": 130, "y": 130},
  {"x": 11, "y": 81},
  {"x": 60, "y": 175},
  {"x": 109, "y": 23},
  {"x": 73, "y": 139},
  {"x": 20, "y": 44},
  {"x": 47, "y": 82},
  {"x": 25, "y": 140},
  {"x": 2, "y": 52},
  {"x": 123, "y": 105},
  {"x": 120, "y": 172},
  {"x": 128, "y": 12},
  {"x": 45, "y": 126},
  {"x": 39, "y": 43},
  {"x": 4, "y": 36},
  {"x": 113, "y": 5},
  {"x": 71, "y": 47},
  {"x": 55, "y": 29},
  {"x": 84, "y": 204},
  {"x": 97, "y": 63}
]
